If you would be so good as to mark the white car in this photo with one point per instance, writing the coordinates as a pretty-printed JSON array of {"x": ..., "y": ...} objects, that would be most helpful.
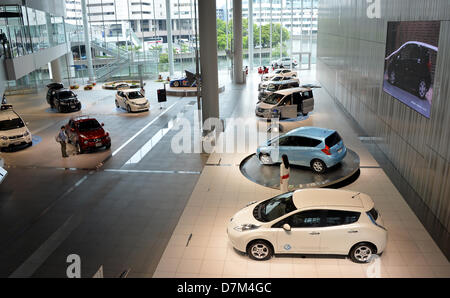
[
  {"x": 132, "y": 100},
  {"x": 3, "y": 172},
  {"x": 310, "y": 221},
  {"x": 13, "y": 131},
  {"x": 286, "y": 62},
  {"x": 282, "y": 72},
  {"x": 276, "y": 79}
]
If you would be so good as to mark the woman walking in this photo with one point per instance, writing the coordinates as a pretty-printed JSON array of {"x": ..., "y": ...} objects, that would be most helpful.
[{"x": 284, "y": 174}]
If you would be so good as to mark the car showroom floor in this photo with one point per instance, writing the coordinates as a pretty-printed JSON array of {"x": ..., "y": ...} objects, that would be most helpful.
[{"x": 135, "y": 207}]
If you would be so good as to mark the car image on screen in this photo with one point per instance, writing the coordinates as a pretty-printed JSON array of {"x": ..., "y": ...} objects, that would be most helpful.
[{"x": 410, "y": 63}]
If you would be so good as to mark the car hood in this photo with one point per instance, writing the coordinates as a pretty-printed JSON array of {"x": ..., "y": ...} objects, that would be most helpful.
[
  {"x": 245, "y": 216},
  {"x": 265, "y": 106},
  {"x": 139, "y": 101},
  {"x": 93, "y": 134},
  {"x": 13, "y": 132}
]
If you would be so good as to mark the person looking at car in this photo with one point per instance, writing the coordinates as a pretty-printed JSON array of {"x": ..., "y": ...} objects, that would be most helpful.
[
  {"x": 284, "y": 174},
  {"x": 61, "y": 138}
]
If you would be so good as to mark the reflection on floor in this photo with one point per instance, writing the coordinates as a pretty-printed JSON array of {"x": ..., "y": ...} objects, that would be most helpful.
[{"x": 222, "y": 190}]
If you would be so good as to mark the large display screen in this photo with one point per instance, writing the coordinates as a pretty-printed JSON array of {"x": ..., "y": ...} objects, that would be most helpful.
[{"x": 411, "y": 54}]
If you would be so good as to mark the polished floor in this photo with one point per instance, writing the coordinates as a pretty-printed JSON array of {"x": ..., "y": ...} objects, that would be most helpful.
[{"x": 141, "y": 207}]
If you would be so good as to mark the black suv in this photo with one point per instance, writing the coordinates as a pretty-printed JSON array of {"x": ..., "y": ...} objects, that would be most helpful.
[
  {"x": 410, "y": 67},
  {"x": 64, "y": 100}
]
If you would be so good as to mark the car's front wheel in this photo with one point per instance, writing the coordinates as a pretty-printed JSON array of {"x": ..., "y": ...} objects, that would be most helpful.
[
  {"x": 422, "y": 89},
  {"x": 318, "y": 166},
  {"x": 260, "y": 250},
  {"x": 362, "y": 253},
  {"x": 117, "y": 104},
  {"x": 265, "y": 159},
  {"x": 128, "y": 109},
  {"x": 78, "y": 148}
]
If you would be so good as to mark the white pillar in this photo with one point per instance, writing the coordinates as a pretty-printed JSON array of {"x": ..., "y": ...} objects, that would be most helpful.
[
  {"x": 208, "y": 59},
  {"x": 56, "y": 70},
  {"x": 237, "y": 35},
  {"x": 169, "y": 37},
  {"x": 250, "y": 34},
  {"x": 87, "y": 41}
]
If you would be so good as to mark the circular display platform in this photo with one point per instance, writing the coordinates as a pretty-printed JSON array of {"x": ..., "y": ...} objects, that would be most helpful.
[
  {"x": 186, "y": 91},
  {"x": 300, "y": 177}
]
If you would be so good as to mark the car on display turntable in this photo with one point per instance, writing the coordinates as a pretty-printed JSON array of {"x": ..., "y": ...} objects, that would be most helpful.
[
  {"x": 87, "y": 134},
  {"x": 282, "y": 72},
  {"x": 132, "y": 101},
  {"x": 314, "y": 147},
  {"x": 14, "y": 132},
  {"x": 310, "y": 221},
  {"x": 286, "y": 104},
  {"x": 276, "y": 79},
  {"x": 187, "y": 81},
  {"x": 61, "y": 99}
]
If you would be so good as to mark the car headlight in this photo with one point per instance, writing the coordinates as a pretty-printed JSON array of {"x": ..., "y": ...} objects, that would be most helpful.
[
  {"x": 26, "y": 134},
  {"x": 246, "y": 227},
  {"x": 4, "y": 138}
]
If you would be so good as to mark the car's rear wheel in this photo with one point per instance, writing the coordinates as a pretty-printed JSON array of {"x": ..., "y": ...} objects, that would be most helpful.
[
  {"x": 362, "y": 253},
  {"x": 265, "y": 159},
  {"x": 176, "y": 84},
  {"x": 128, "y": 109},
  {"x": 260, "y": 250},
  {"x": 392, "y": 77},
  {"x": 422, "y": 89},
  {"x": 318, "y": 166}
]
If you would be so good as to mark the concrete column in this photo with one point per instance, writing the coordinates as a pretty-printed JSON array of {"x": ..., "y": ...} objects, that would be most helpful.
[
  {"x": 251, "y": 46},
  {"x": 169, "y": 36},
  {"x": 70, "y": 65},
  {"x": 208, "y": 59},
  {"x": 87, "y": 41},
  {"x": 237, "y": 34},
  {"x": 56, "y": 70}
]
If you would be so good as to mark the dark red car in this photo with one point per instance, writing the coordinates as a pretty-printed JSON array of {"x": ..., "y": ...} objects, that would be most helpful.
[{"x": 87, "y": 134}]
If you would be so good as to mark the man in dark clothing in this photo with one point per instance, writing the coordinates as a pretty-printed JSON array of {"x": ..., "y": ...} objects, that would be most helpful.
[{"x": 62, "y": 139}]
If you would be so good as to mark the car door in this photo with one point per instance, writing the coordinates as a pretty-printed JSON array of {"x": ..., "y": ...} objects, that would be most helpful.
[
  {"x": 304, "y": 150},
  {"x": 340, "y": 231},
  {"x": 285, "y": 146},
  {"x": 307, "y": 102},
  {"x": 305, "y": 233},
  {"x": 122, "y": 99},
  {"x": 287, "y": 110}
]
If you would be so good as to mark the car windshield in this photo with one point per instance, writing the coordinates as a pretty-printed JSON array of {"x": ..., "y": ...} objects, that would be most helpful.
[
  {"x": 135, "y": 95},
  {"x": 87, "y": 125},
  {"x": 274, "y": 208},
  {"x": 11, "y": 124},
  {"x": 66, "y": 94},
  {"x": 273, "y": 99},
  {"x": 278, "y": 71}
]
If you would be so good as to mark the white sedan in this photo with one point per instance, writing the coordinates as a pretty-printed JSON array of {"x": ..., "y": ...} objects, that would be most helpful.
[
  {"x": 132, "y": 101},
  {"x": 281, "y": 72},
  {"x": 310, "y": 221}
]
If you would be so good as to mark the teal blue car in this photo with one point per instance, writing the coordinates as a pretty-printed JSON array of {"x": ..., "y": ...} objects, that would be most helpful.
[{"x": 314, "y": 147}]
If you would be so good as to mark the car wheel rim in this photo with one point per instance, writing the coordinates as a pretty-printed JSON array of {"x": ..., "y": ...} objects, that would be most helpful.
[
  {"x": 318, "y": 167},
  {"x": 363, "y": 253},
  {"x": 392, "y": 77},
  {"x": 260, "y": 251},
  {"x": 265, "y": 159},
  {"x": 422, "y": 89}
]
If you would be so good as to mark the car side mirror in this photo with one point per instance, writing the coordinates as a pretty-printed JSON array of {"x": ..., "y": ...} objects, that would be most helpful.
[
  {"x": 103, "y": 124},
  {"x": 287, "y": 227},
  {"x": 27, "y": 123}
]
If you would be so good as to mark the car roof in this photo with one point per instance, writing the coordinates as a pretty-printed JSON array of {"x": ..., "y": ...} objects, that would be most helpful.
[
  {"x": 284, "y": 81},
  {"x": 331, "y": 198},
  {"x": 82, "y": 118},
  {"x": 8, "y": 114},
  {"x": 426, "y": 45},
  {"x": 284, "y": 69},
  {"x": 312, "y": 132},
  {"x": 128, "y": 90},
  {"x": 292, "y": 90}
]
